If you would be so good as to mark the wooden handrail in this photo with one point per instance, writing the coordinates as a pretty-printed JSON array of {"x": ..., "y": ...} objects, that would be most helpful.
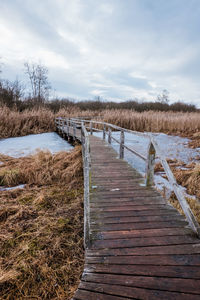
[
  {"x": 177, "y": 190},
  {"x": 153, "y": 152},
  {"x": 144, "y": 134}
]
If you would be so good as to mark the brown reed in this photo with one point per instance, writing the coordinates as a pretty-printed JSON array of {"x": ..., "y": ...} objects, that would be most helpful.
[
  {"x": 41, "y": 240},
  {"x": 14, "y": 123}
]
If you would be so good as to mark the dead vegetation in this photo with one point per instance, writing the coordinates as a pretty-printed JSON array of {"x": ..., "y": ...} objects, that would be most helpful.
[
  {"x": 15, "y": 123},
  {"x": 41, "y": 240},
  {"x": 189, "y": 177},
  {"x": 194, "y": 205},
  {"x": 178, "y": 123}
]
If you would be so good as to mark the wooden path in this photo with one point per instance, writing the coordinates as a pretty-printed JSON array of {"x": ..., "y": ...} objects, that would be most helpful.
[{"x": 141, "y": 247}]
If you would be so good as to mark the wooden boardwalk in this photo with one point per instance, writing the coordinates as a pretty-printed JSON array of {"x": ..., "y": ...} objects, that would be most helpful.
[{"x": 140, "y": 246}]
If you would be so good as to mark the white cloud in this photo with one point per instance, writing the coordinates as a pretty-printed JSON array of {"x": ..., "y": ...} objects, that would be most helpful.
[{"x": 116, "y": 49}]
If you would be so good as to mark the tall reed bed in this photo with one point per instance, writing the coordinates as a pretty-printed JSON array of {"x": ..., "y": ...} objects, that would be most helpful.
[
  {"x": 168, "y": 122},
  {"x": 14, "y": 123},
  {"x": 41, "y": 240}
]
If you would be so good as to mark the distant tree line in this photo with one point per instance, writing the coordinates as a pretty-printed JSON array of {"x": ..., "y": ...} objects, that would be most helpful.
[{"x": 13, "y": 94}]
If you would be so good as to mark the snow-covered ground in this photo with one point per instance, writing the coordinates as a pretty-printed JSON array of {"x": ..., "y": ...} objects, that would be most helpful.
[
  {"x": 172, "y": 147},
  {"x": 20, "y": 186},
  {"x": 26, "y": 145}
]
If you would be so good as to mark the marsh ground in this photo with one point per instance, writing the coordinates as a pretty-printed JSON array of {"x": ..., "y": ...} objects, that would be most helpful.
[{"x": 41, "y": 241}]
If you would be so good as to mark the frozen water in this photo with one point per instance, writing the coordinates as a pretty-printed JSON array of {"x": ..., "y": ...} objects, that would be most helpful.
[
  {"x": 26, "y": 145},
  {"x": 173, "y": 147},
  {"x": 20, "y": 186}
]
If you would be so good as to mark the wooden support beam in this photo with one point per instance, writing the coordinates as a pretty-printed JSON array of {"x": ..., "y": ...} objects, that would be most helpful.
[
  {"x": 104, "y": 131},
  {"x": 150, "y": 165},
  {"x": 109, "y": 135},
  {"x": 121, "y": 149}
]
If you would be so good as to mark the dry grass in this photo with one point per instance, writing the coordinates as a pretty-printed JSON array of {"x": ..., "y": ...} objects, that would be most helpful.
[
  {"x": 190, "y": 179},
  {"x": 194, "y": 205},
  {"x": 13, "y": 123},
  {"x": 167, "y": 122},
  {"x": 41, "y": 240}
]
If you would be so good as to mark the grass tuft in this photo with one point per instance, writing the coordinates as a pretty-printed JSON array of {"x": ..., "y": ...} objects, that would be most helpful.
[{"x": 41, "y": 240}]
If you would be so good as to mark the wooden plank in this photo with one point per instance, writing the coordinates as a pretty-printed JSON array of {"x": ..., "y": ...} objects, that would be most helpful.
[
  {"x": 157, "y": 283},
  {"x": 142, "y": 242},
  {"x": 88, "y": 295},
  {"x": 123, "y": 189},
  {"x": 137, "y": 293},
  {"x": 157, "y": 250},
  {"x": 124, "y": 194},
  {"x": 134, "y": 213},
  {"x": 145, "y": 225},
  {"x": 192, "y": 272},
  {"x": 117, "y": 201},
  {"x": 130, "y": 207},
  {"x": 112, "y": 203},
  {"x": 156, "y": 260},
  {"x": 107, "y": 235},
  {"x": 117, "y": 220}
]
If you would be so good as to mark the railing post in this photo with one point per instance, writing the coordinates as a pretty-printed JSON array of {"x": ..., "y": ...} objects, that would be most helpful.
[
  {"x": 82, "y": 135},
  {"x": 104, "y": 131},
  {"x": 63, "y": 125},
  {"x": 56, "y": 125},
  {"x": 86, "y": 169},
  {"x": 91, "y": 128},
  {"x": 121, "y": 148},
  {"x": 67, "y": 128},
  {"x": 109, "y": 135},
  {"x": 74, "y": 131},
  {"x": 59, "y": 122},
  {"x": 150, "y": 165}
]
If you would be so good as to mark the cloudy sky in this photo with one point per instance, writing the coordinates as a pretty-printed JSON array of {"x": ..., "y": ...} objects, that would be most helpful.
[{"x": 116, "y": 49}]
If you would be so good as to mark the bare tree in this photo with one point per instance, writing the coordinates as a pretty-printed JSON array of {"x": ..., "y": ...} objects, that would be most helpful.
[
  {"x": 38, "y": 76},
  {"x": 164, "y": 97},
  {"x": 11, "y": 92}
]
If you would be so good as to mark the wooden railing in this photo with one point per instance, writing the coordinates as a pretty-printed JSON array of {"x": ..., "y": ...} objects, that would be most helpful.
[
  {"x": 86, "y": 169},
  {"x": 153, "y": 153}
]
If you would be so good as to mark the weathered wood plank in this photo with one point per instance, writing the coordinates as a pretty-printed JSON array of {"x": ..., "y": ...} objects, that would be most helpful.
[
  {"x": 88, "y": 295},
  {"x": 111, "y": 203},
  {"x": 128, "y": 213},
  {"x": 137, "y": 293},
  {"x": 142, "y": 242},
  {"x": 156, "y": 260},
  {"x": 190, "y": 272},
  {"x": 127, "y": 208},
  {"x": 106, "y": 235},
  {"x": 118, "y": 220},
  {"x": 157, "y": 283},
  {"x": 145, "y": 225},
  {"x": 157, "y": 250}
]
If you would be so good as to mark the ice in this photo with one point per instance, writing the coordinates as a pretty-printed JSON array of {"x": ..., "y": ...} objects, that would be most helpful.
[
  {"x": 20, "y": 186},
  {"x": 26, "y": 145},
  {"x": 172, "y": 147}
]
